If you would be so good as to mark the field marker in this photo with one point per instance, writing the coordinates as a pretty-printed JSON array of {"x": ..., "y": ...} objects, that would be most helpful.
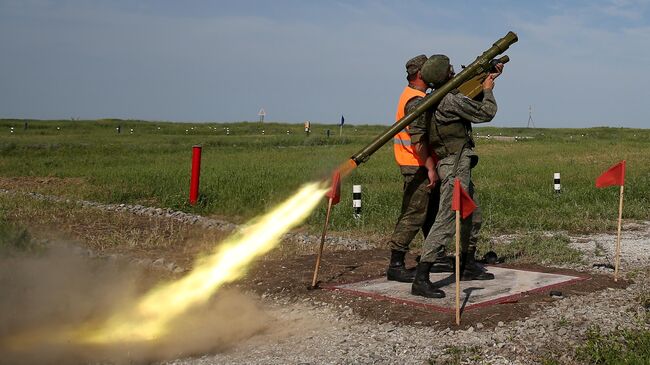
[
  {"x": 617, "y": 261},
  {"x": 356, "y": 200},
  {"x": 196, "y": 173},
  {"x": 556, "y": 182}
]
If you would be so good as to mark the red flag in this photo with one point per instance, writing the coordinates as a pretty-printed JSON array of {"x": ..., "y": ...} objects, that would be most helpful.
[
  {"x": 335, "y": 191},
  {"x": 462, "y": 201},
  {"x": 614, "y": 176}
]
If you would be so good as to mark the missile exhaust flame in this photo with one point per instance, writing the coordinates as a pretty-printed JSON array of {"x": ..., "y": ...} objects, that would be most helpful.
[
  {"x": 151, "y": 317},
  {"x": 156, "y": 309}
]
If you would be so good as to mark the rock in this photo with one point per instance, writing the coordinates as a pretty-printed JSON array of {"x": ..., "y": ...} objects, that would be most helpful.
[{"x": 159, "y": 262}]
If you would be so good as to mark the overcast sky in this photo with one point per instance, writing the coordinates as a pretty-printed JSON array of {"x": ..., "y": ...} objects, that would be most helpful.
[{"x": 578, "y": 63}]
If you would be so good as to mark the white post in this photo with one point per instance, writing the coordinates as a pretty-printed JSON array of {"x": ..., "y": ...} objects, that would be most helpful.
[
  {"x": 556, "y": 182},
  {"x": 356, "y": 200}
]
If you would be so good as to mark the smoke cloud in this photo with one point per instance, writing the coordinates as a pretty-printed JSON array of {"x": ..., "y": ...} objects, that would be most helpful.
[{"x": 47, "y": 295}]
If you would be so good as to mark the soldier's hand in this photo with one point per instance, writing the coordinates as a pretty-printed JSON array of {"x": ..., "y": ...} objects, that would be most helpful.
[
  {"x": 433, "y": 178},
  {"x": 488, "y": 84},
  {"x": 499, "y": 68}
]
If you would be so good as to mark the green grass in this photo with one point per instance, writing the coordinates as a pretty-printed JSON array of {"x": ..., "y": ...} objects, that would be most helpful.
[
  {"x": 246, "y": 172},
  {"x": 456, "y": 355},
  {"x": 539, "y": 249},
  {"x": 15, "y": 239},
  {"x": 627, "y": 347}
]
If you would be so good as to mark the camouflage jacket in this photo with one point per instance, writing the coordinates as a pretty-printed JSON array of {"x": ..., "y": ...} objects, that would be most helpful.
[{"x": 454, "y": 107}]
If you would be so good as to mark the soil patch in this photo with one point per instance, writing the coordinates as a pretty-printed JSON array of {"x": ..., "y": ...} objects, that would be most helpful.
[
  {"x": 40, "y": 183},
  {"x": 290, "y": 278}
]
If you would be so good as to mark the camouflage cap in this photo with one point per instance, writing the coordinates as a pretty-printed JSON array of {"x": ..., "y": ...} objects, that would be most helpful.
[
  {"x": 435, "y": 70},
  {"x": 415, "y": 64}
]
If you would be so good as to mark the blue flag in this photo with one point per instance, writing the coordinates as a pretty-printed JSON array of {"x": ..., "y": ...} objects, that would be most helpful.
[{"x": 342, "y": 120}]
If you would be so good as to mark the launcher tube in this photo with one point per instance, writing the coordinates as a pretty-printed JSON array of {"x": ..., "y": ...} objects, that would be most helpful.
[{"x": 481, "y": 64}]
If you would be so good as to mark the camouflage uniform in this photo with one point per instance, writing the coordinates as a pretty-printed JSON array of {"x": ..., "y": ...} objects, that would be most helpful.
[
  {"x": 454, "y": 108},
  {"x": 419, "y": 203}
]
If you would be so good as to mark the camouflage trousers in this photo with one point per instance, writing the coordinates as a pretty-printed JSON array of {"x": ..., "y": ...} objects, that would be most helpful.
[
  {"x": 419, "y": 209},
  {"x": 443, "y": 231}
]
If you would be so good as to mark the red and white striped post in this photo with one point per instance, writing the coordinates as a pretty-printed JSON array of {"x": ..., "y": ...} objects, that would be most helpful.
[{"x": 196, "y": 173}]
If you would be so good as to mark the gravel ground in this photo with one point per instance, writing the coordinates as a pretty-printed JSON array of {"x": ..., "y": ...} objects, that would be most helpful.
[
  {"x": 600, "y": 249},
  {"x": 311, "y": 332}
]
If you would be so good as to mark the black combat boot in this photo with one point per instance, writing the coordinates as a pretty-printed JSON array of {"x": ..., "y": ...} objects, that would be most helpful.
[
  {"x": 470, "y": 270},
  {"x": 422, "y": 286},
  {"x": 397, "y": 270}
]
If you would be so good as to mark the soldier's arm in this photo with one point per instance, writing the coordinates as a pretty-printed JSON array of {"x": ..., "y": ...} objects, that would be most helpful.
[
  {"x": 458, "y": 106},
  {"x": 418, "y": 130}
]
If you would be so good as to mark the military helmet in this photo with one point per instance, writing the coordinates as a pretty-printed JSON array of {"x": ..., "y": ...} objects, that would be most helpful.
[
  {"x": 435, "y": 70},
  {"x": 415, "y": 64}
]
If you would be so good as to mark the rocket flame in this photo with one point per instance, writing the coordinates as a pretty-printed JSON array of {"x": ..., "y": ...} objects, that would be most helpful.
[{"x": 150, "y": 318}]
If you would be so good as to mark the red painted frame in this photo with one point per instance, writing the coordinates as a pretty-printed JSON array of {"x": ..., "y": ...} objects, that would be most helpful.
[{"x": 507, "y": 299}]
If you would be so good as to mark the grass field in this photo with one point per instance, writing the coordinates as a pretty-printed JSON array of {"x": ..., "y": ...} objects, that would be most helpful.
[{"x": 247, "y": 172}]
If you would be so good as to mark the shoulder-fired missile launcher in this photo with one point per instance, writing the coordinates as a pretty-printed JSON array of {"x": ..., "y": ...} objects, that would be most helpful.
[{"x": 469, "y": 76}]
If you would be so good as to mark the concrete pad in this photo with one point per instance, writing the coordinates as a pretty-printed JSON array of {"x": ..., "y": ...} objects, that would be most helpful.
[{"x": 509, "y": 285}]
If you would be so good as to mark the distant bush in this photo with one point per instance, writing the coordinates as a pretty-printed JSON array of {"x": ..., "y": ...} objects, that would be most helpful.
[{"x": 7, "y": 147}]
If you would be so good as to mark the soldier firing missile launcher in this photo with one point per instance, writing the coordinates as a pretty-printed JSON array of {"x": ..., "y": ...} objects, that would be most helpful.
[
  {"x": 474, "y": 72},
  {"x": 468, "y": 81}
]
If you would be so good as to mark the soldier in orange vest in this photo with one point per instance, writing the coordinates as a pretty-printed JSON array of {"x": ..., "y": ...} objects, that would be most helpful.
[{"x": 417, "y": 165}]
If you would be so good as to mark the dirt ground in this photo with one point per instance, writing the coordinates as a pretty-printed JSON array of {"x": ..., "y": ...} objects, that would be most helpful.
[{"x": 291, "y": 278}]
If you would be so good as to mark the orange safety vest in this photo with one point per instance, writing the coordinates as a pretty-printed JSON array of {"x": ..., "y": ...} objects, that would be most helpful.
[{"x": 404, "y": 153}]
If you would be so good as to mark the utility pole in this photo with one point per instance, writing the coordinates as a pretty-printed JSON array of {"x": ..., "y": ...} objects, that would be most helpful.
[
  {"x": 261, "y": 114},
  {"x": 530, "y": 117}
]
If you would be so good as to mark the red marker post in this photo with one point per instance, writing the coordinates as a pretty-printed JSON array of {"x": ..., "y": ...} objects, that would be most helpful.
[{"x": 196, "y": 173}]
